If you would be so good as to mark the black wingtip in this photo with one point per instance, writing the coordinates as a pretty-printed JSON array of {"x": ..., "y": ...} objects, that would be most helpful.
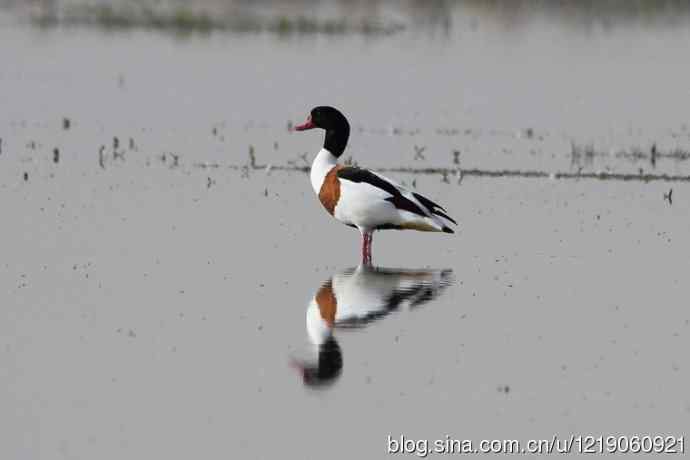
[
  {"x": 445, "y": 216},
  {"x": 448, "y": 230}
]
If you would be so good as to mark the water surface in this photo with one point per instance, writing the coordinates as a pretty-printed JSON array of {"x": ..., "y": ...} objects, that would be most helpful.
[{"x": 154, "y": 287}]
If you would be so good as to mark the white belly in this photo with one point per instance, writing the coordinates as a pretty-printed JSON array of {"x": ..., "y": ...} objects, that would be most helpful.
[{"x": 364, "y": 206}]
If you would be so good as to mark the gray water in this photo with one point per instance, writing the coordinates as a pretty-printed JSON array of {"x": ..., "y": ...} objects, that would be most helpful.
[{"x": 153, "y": 293}]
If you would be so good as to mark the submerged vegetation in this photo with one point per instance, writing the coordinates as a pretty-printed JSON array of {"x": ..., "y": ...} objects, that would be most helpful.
[
  {"x": 584, "y": 155},
  {"x": 456, "y": 173}
]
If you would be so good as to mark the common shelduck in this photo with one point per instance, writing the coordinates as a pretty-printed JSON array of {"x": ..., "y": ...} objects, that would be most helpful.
[
  {"x": 354, "y": 298},
  {"x": 361, "y": 198}
]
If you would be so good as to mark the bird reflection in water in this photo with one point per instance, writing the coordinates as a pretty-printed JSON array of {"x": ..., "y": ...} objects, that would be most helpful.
[{"x": 354, "y": 298}]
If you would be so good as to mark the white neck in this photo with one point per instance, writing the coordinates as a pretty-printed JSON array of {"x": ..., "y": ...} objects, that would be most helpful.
[{"x": 324, "y": 162}]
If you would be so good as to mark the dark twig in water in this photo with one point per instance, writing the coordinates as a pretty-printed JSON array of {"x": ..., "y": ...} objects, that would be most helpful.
[
  {"x": 56, "y": 155},
  {"x": 456, "y": 157},
  {"x": 461, "y": 176},
  {"x": 101, "y": 157},
  {"x": 252, "y": 157},
  {"x": 245, "y": 172},
  {"x": 669, "y": 197}
]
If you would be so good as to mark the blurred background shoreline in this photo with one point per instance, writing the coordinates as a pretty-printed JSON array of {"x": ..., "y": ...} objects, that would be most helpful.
[{"x": 369, "y": 18}]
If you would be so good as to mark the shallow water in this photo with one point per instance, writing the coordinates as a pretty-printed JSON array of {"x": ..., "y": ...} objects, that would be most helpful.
[{"x": 155, "y": 294}]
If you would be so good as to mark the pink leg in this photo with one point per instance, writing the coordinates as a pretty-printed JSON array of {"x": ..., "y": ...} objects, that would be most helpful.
[{"x": 366, "y": 247}]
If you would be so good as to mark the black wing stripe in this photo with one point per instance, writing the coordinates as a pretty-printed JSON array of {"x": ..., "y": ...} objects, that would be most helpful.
[
  {"x": 398, "y": 200},
  {"x": 433, "y": 207},
  {"x": 362, "y": 175},
  {"x": 403, "y": 203},
  {"x": 427, "y": 202},
  {"x": 445, "y": 216}
]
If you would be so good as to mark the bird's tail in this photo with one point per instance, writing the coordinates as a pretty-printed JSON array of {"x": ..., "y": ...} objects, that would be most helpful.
[
  {"x": 426, "y": 224},
  {"x": 441, "y": 225},
  {"x": 438, "y": 215}
]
